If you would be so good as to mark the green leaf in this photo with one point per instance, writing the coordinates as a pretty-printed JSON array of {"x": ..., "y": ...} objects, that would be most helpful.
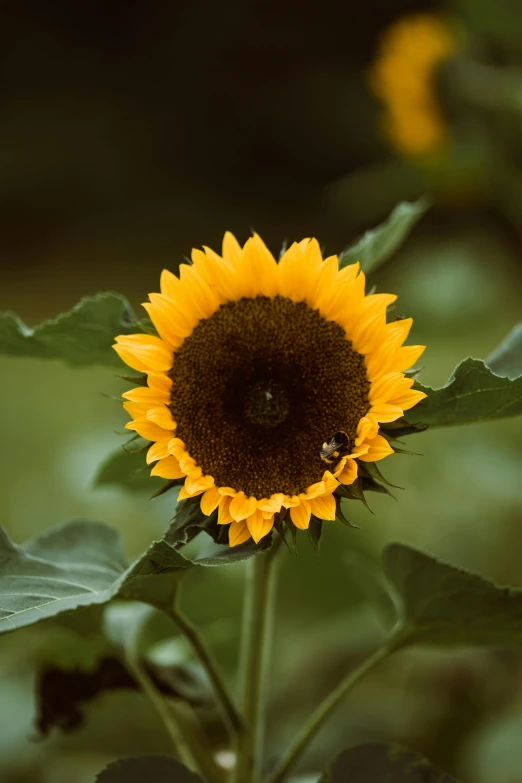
[
  {"x": 506, "y": 359},
  {"x": 382, "y": 763},
  {"x": 128, "y": 470},
  {"x": 445, "y": 605},
  {"x": 473, "y": 393},
  {"x": 376, "y": 246},
  {"x": 82, "y": 336},
  {"x": 147, "y": 769},
  {"x": 80, "y": 564}
]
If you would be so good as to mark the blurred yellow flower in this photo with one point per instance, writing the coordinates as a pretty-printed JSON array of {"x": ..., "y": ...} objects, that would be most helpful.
[
  {"x": 268, "y": 381},
  {"x": 403, "y": 78}
]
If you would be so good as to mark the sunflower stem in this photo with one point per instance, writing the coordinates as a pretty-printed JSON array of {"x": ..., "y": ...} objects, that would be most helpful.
[
  {"x": 223, "y": 696},
  {"x": 328, "y": 705},
  {"x": 258, "y": 616}
]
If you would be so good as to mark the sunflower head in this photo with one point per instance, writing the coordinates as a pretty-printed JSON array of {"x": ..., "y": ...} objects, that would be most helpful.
[
  {"x": 403, "y": 78},
  {"x": 267, "y": 383}
]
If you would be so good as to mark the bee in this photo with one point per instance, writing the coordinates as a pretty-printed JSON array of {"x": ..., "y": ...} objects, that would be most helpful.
[{"x": 335, "y": 447}]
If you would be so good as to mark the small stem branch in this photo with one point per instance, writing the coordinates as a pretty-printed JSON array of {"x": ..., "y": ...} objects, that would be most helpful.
[
  {"x": 323, "y": 711},
  {"x": 223, "y": 696},
  {"x": 179, "y": 745},
  {"x": 255, "y": 660}
]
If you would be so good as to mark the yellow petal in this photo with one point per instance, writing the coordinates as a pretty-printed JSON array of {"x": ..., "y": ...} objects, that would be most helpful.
[
  {"x": 147, "y": 429},
  {"x": 210, "y": 501},
  {"x": 144, "y": 352},
  {"x": 325, "y": 285},
  {"x": 159, "y": 450},
  {"x": 410, "y": 399},
  {"x": 349, "y": 272},
  {"x": 368, "y": 334},
  {"x": 314, "y": 490},
  {"x": 217, "y": 272},
  {"x": 386, "y": 387},
  {"x": 272, "y": 504},
  {"x": 367, "y": 428},
  {"x": 142, "y": 394},
  {"x": 349, "y": 472},
  {"x": 228, "y": 491},
  {"x": 161, "y": 416},
  {"x": 231, "y": 249},
  {"x": 169, "y": 284},
  {"x": 292, "y": 273},
  {"x": 168, "y": 320},
  {"x": 174, "y": 291},
  {"x": 241, "y": 507},
  {"x": 159, "y": 381},
  {"x": 397, "y": 331},
  {"x": 347, "y": 302},
  {"x": 378, "y": 303},
  {"x": 379, "y": 449},
  {"x": 195, "y": 486},
  {"x": 138, "y": 410},
  {"x": 188, "y": 464},
  {"x": 300, "y": 514},
  {"x": 385, "y": 413},
  {"x": 406, "y": 356},
  {"x": 224, "y": 517},
  {"x": 380, "y": 361},
  {"x": 258, "y": 271},
  {"x": 330, "y": 482},
  {"x": 323, "y": 507},
  {"x": 201, "y": 296},
  {"x": 259, "y": 526},
  {"x": 238, "y": 533},
  {"x": 167, "y": 468}
]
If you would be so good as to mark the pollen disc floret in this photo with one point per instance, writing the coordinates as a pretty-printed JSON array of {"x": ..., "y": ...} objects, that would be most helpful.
[{"x": 258, "y": 364}]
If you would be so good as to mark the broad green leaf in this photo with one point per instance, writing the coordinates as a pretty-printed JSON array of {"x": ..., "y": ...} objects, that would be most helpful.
[
  {"x": 506, "y": 359},
  {"x": 82, "y": 336},
  {"x": 377, "y": 245},
  {"x": 127, "y": 470},
  {"x": 445, "y": 605},
  {"x": 382, "y": 763},
  {"x": 147, "y": 769},
  {"x": 80, "y": 564},
  {"x": 473, "y": 393}
]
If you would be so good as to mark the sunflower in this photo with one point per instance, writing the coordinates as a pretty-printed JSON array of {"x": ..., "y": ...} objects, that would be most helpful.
[
  {"x": 267, "y": 382},
  {"x": 403, "y": 78}
]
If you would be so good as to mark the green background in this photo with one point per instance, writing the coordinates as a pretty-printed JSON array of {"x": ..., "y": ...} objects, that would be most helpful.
[{"x": 131, "y": 132}]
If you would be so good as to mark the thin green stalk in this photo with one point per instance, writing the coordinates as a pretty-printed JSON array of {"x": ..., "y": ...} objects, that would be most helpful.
[
  {"x": 254, "y": 662},
  {"x": 209, "y": 663},
  {"x": 323, "y": 711},
  {"x": 180, "y": 747}
]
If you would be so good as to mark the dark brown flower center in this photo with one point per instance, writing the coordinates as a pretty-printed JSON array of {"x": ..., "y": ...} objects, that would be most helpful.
[{"x": 259, "y": 387}]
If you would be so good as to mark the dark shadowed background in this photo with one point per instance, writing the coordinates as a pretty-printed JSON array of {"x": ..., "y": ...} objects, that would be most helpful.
[{"x": 131, "y": 132}]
